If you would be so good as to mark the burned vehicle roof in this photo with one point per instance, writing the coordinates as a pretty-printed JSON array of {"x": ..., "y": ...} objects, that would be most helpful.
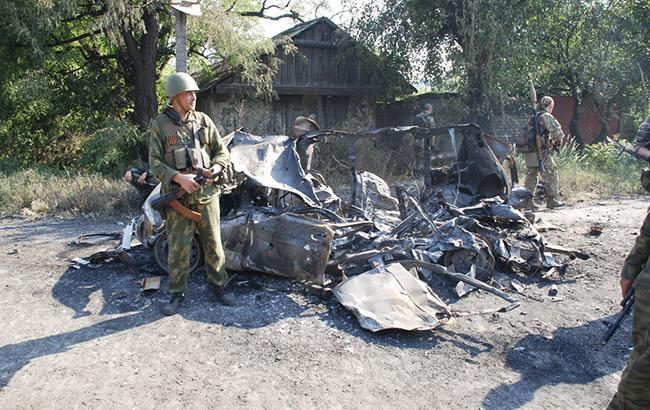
[{"x": 379, "y": 249}]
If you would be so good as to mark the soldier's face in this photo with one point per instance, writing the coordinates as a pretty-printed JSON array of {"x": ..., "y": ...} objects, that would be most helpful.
[
  {"x": 186, "y": 100},
  {"x": 550, "y": 107}
]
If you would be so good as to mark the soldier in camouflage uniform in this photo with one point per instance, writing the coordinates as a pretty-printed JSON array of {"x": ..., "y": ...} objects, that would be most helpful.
[
  {"x": 182, "y": 143},
  {"x": 424, "y": 119},
  {"x": 303, "y": 125},
  {"x": 634, "y": 388},
  {"x": 551, "y": 133}
]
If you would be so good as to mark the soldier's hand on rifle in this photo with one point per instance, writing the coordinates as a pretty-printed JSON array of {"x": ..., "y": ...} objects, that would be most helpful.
[
  {"x": 142, "y": 178},
  {"x": 211, "y": 173},
  {"x": 643, "y": 151},
  {"x": 626, "y": 284},
  {"x": 187, "y": 182}
]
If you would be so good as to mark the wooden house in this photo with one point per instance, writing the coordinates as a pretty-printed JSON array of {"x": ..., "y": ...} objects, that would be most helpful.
[{"x": 330, "y": 77}]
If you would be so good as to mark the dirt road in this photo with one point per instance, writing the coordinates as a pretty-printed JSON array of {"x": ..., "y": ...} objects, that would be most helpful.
[{"x": 90, "y": 338}]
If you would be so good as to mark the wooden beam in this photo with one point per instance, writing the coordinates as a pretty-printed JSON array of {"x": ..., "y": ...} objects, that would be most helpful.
[{"x": 314, "y": 43}]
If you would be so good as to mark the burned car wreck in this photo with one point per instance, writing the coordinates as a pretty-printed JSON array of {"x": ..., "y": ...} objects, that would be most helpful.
[{"x": 378, "y": 252}]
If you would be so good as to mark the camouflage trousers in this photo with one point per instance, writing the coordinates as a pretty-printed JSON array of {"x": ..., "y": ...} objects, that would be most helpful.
[
  {"x": 634, "y": 388},
  {"x": 180, "y": 232},
  {"x": 550, "y": 174}
]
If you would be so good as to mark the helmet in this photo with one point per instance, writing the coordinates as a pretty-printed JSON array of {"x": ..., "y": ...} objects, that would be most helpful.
[
  {"x": 178, "y": 83},
  {"x": 544, "y": 102}
]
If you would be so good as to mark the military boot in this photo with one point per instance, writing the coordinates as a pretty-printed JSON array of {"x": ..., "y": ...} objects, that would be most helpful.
[
  {"x": 174, "y": 304},
  {"x": 223, "y": 296},
  {"x": 532, "y": 205},
  {"x": 553, "y": 203}
]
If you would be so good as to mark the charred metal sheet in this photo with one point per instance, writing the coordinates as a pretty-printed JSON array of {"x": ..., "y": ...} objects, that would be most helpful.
[
  {"x": 441, "y": 270},
  {"x": 271, "y": 161},
  {"x": 287, "y": 245},
  {"x": 389, "y": 297},
  {"x": 476, "y": 170},
  {"x": 372, "y": 194}
]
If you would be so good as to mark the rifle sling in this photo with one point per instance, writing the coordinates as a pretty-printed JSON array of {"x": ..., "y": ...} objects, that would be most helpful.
[{"x": 186, "y": 212}]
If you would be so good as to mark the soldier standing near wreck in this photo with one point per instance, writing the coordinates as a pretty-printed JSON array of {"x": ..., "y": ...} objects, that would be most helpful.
[
  {"x": 301, "y": 126},
  {"x": 634, "y": 387},
  {"x": 182, "y": 144},
  {"x": 551, "y": 134},
  {"x": 425, "y": 118}
]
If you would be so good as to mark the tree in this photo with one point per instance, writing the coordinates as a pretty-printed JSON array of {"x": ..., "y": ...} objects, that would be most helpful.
[
  {"x": 476, "y": 41},
  {"x": 590, "y": 50},
  {"x": 99, "y": 60}
]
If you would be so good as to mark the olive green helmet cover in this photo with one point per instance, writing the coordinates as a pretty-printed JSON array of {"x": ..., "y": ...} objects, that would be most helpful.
[{"x": 178, "y": 83}]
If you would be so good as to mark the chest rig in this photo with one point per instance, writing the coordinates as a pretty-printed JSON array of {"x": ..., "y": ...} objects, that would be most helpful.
[{"x": 187, "y": 145}]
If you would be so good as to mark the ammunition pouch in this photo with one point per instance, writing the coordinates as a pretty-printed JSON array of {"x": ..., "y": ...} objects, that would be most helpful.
[{"x": 184, "y": 158}]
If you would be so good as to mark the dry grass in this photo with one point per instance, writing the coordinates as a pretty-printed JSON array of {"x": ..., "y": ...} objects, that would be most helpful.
[{"x": 41, "y": 193}]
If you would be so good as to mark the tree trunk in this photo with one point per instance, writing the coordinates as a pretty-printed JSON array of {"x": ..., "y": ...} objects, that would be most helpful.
[
  {"x": 142, "y": 53},
  {"x": 604, "y": 132},
  {"x": 574, "y": 124}
]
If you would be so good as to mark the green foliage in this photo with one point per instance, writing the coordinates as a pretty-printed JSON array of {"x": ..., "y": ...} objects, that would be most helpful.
[
  {"x": 596, "y": 171},
  {"x": 592, "y": 51},
  {"x": 112, "y": 149},
  {"x": 485, "y": 50},
  {"x": 471, "y": 45},
  {"x": 68, "y": 68}
]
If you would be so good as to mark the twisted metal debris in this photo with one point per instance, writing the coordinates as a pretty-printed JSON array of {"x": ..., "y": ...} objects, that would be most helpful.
[{"x": 378, "y": 253}]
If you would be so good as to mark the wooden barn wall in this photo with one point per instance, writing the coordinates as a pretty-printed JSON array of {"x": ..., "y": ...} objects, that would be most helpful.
[
  {"x": 322, "y": 64},
  {"x": 346, "y": 113}
]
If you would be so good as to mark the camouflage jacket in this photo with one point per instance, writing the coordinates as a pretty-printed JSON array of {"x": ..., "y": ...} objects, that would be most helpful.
[
  {"x": 550, "y": 127},
  {"x": 424, "y": 120},
  {"x": 638, "y": 256},
  {"x": 643, "y": 135},
  {"x": 182, "y": 146}
]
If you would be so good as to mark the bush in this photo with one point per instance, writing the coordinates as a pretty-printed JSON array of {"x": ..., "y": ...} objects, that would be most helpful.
[
  {"x": 597, "y": 171},
  {"x": 113, "y": 149}
]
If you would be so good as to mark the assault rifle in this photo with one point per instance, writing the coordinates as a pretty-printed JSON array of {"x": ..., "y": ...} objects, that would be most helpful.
[
  {"x": 623, "y": 148},
  {"x": 171, "y": 199},
  {"x": 627, "y": 303},
  {"x": 532, "y": 94}
]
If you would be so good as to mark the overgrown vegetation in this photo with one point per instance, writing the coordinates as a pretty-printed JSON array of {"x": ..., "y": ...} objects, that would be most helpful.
[
  {"x": 45, "y": 192},
  {"x": 594, "y": 172},
  {"x": 597, "y": 171}
]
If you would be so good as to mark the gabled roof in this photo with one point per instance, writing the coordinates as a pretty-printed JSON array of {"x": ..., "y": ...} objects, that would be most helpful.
[
  {"x": 299, "y": 28},
  {"x": 221, "y": 71}
]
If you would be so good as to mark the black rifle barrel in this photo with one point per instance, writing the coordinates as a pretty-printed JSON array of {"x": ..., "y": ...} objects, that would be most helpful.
[{"x": 627, "y": 303}]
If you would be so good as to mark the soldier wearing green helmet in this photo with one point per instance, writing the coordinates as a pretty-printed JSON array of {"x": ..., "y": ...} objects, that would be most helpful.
[{"x": 182, "y": 144}]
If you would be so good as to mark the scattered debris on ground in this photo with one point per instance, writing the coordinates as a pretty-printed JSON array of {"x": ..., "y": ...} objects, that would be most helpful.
[{"x": 381, "y": 255}]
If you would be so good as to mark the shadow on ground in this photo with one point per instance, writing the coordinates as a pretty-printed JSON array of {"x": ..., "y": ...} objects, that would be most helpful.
[
  {"x": 112, "y": 290},
  {"x": 573, "y": 356}
]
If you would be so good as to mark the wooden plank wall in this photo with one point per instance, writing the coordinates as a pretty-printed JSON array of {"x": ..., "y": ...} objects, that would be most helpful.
[{"x": 320, "y": 62}]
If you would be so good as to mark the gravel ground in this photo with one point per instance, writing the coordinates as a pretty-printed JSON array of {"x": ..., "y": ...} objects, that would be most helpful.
[{"x": 74, "y": 338}]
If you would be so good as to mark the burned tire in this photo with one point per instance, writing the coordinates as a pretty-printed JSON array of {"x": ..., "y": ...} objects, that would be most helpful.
[{"x": 161, "y": 248}]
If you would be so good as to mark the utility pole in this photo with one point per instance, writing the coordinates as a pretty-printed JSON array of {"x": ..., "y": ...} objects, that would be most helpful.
[{"x": 181, "y": 9}]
